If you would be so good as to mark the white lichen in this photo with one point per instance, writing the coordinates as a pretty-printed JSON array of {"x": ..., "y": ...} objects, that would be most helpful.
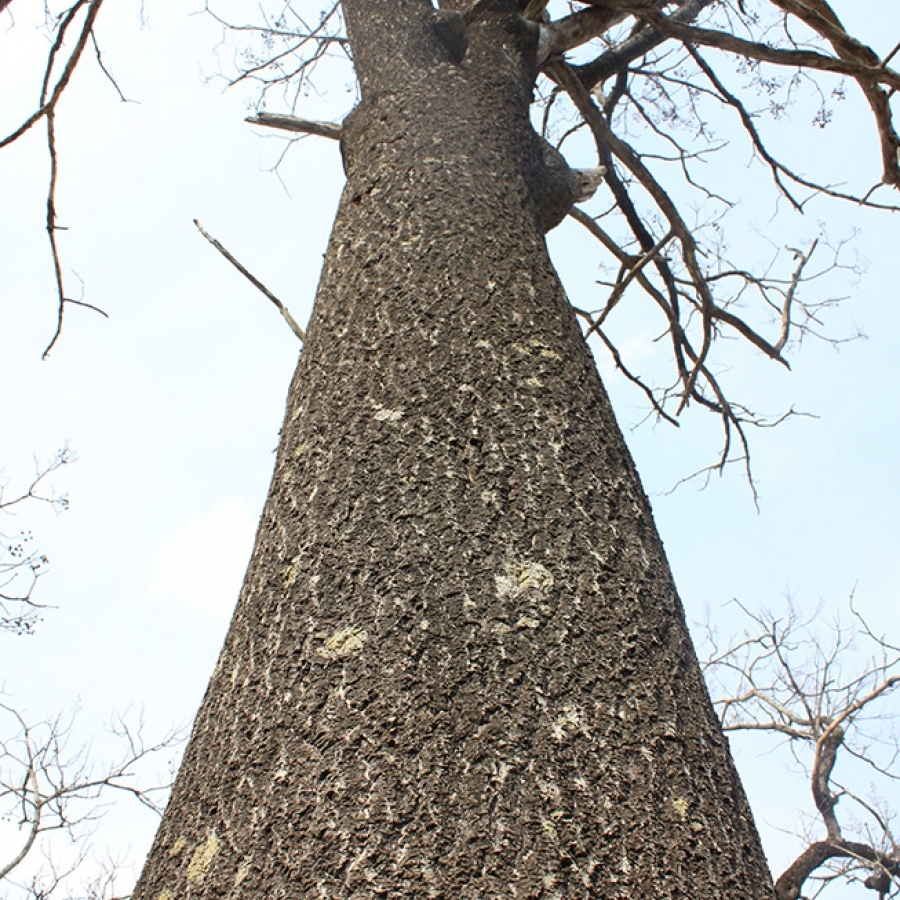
[
  {"x": 521, "y": 577},
  {"x": 291, "y": 571},
  {"x": 202, "y": 859},
  {"x": 344, "y": 641},
  {"x": 567, "y": 722},
  {"x": 388, "y": 415}
]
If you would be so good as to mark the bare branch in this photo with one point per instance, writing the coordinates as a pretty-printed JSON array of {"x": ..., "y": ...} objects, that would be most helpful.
[
  {"x": 255, "y": 282},
  {"x": 20, "y": 566},
  {"x": 795, "y": 58},
  {"x": 784, "y": 677},
  {"x": 578, "y": 28},
  {"x": 294, "y": 124},
  {"x": 49, "y": 100},
  {"x": 853, "y": 59},
  {"x": 48, "y": 787},
  {"x": 821, "y": 18},
  {"x": 618, "y": 57},
  {"x": 46, "y": 109}
]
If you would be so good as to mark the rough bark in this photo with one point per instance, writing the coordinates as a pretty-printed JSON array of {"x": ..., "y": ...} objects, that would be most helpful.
[{"x": 458, "y": 666}]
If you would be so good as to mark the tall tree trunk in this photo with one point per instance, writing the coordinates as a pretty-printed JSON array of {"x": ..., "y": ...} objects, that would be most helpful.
[{"x": 458, "y": 667}]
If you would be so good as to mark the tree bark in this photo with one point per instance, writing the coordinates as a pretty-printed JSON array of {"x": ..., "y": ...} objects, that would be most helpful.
[{"x": 458, "y": 666}]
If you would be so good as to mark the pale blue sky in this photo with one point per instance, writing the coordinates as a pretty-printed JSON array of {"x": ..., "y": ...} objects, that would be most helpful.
[{"x": 173, "y": 405}]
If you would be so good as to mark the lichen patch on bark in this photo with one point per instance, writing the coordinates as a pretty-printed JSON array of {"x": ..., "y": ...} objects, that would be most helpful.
[
  {"x": 343, "y": 642},
  {"x": 202, "y": 859},
  {"x": 521, "y": 577}
]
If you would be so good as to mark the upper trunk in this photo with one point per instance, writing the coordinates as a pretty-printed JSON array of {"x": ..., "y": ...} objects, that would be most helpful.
[{"x": 458, "y": 667}]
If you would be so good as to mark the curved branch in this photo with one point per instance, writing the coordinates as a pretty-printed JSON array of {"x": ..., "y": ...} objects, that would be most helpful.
[
  {"x": 823, "y": 765},
  {"x": 791, "y": 881},
  {"x": 823, "y": 20}
]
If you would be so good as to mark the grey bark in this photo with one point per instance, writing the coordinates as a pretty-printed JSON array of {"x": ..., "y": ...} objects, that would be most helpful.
[{"x": 458, "y": 666}]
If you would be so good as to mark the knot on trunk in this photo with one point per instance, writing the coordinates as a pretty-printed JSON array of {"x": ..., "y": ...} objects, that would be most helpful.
[
  {"x": 453, "y": 30},
  {"x": 562, "y": 186}
]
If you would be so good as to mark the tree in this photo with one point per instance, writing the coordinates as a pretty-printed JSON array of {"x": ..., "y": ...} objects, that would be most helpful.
[
  {"x": 783, "y": 677},
  {"x": 419, "y": 564},
  {"x": 458, "y": 666}
]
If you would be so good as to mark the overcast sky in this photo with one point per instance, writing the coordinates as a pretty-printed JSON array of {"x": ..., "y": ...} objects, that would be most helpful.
[{"x": 173, "y": 404}]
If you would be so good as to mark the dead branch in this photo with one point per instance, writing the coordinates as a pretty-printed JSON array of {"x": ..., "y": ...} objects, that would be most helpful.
[
  {"x": 294, "y": 124},
  {"x": 292, "y": 324}
]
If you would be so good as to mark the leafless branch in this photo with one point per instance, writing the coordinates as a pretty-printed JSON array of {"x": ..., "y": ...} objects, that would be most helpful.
[
  {"x": 292, "y": 324},
  {"x": 21, "y": 566},
  {"x": 47, "y": 786},
  {"x": 824, "y": 693},
  {"x": 51, "y": 93},
  {"x": 296, "y": 125}
]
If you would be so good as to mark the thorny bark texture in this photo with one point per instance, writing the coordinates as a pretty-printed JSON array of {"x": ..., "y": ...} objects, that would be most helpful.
[
  {"x": 784, "y": 677},
  {"x": 458, "y": 667}
]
